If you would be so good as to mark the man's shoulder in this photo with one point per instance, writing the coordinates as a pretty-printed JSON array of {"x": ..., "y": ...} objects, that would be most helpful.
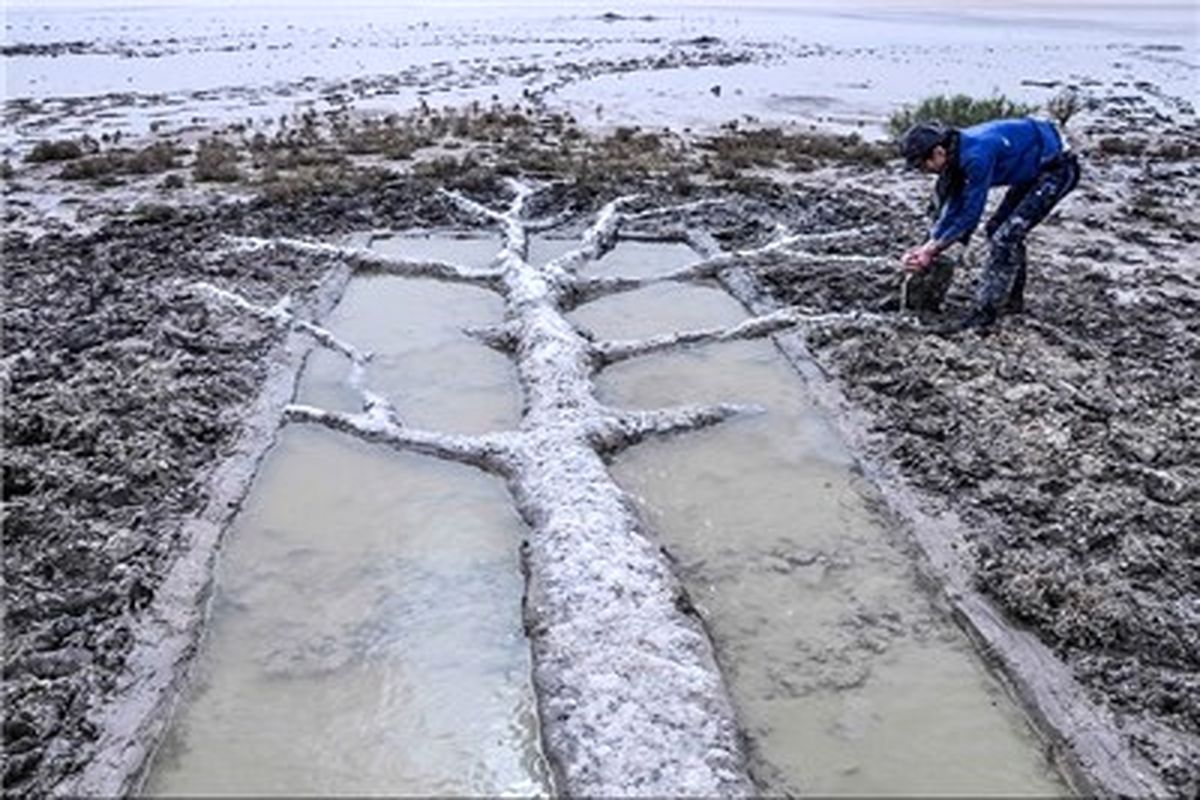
[
  {"x": 994, "y": 129},
  {"x": 986, "y": 140},
  {"x": 1009, "y": 128}
]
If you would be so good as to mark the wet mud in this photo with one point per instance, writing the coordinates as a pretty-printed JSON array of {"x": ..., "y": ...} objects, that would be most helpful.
[{"x": 1067, "y": 440}]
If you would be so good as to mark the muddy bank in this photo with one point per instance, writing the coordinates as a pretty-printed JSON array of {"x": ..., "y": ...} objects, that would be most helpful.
[
  {"x": 124, "y": 392},
  {"x": 1067, "y": 441}
]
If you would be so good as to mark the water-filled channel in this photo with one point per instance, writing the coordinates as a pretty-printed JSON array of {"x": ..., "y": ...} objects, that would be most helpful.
[
  {"x": 366, "y": 636},
  {"x": 845, "y": 676},
  {"x": 366, "y": 632}
]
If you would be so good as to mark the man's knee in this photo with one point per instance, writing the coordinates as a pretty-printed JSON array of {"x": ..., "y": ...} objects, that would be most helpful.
[{"x": 1008, "y": 240}]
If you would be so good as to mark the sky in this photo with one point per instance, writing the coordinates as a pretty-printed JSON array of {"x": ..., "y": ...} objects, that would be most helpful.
[{"x": 598, "y": 5}]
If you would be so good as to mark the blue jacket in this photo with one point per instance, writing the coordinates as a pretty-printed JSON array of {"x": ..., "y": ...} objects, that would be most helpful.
[{"x": 1003, "y": 152}]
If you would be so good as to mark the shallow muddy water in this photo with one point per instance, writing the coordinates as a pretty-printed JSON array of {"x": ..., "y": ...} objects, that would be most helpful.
[
  {"x": 847, "y": 679},
  {"x": 366, "y": 633}
]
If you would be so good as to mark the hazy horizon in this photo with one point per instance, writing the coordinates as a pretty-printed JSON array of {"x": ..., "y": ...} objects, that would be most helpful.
[{"x": 598, "y": 7}]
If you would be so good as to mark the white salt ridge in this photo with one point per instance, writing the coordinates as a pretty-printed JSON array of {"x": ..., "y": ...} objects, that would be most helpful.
[{"x": 631, "y": 699}]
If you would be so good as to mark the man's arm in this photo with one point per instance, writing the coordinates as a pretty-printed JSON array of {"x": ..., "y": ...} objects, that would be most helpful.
[
  {"x": 919, "y": 258},
  {"x": 960, "y": 215}
]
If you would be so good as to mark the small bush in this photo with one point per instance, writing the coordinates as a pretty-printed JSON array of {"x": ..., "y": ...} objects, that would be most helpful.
[
  {"x": 154, "y": 158},
  {"x": 92, "y": 167},
  {"x": 1118, "y": 146},
  {"x": 6, "y": 170},
  {"x": 62, "y": 150},
  {"x": 448, "y": 168},
  {"x": 394, "y": 143},
  {"x": 149, "y": 213},
  {"x": 959, "y": 111},
  {"x": 1176, "y": 150},
  {"x": 738, "y": 150},
  {"x": 158, "y": 157},
  {"x": 1064, "y": 105},
  {"x": 216, "y": 160},
  {"x": 1149, "y": 206}
]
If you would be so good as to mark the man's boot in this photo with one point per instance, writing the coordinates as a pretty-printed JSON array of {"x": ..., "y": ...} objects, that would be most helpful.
[
  {"x": 980, "y": 319},
  {"x": 1016, "y": 295}
]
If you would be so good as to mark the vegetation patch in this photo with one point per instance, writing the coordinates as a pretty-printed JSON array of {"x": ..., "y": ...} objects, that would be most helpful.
[
  {"x": 216, "y": 160},
  {"x": 154, "y": 158},
  {"x": 959, "y": 111},
  {"x": 1065, "y": 105},
  {"x": 58, "y": 150},
  {"x": 771, "y": 147},
  {"x": 1179, "y": 149},
  {"x": 150, "y": 213}
]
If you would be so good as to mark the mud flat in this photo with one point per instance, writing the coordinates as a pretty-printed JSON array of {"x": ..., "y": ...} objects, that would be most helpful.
[{"x": 1058, "y": 455}]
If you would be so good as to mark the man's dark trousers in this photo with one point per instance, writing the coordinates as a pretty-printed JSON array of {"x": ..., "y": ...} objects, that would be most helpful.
[{"x": 1003, "y": 284}]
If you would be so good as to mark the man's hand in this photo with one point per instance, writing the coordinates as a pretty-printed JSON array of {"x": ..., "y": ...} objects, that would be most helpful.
[{"x": 919, "y": 258}]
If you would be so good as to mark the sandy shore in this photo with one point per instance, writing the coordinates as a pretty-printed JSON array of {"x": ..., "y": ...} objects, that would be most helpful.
[{"x": 1063, "y": 447}]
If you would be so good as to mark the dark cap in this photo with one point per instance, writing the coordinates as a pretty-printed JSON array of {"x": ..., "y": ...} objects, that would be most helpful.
[{"x": 918, "y": 142}]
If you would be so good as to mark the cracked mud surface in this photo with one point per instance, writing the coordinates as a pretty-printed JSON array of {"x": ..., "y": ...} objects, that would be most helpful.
[{"x": 1068, "y": 440}]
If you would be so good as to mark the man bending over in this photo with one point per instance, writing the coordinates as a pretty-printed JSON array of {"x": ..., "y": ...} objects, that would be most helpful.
[{"x": 1028, "y": 156}]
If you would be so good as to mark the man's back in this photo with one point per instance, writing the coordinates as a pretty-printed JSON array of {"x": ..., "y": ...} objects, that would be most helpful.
[{"x": 1011, "y": 151}]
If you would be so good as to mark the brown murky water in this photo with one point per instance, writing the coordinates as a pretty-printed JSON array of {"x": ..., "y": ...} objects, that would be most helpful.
[{"x": 366, "y": 632}]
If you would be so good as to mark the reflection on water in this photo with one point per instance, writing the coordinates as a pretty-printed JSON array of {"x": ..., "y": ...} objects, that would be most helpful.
[
  {"x": 366, "y": 632},
  {"x": 846, "y": 678}
]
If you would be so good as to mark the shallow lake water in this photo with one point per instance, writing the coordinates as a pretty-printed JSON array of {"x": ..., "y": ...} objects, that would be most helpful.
[
  {"x": 366, "y": 633},
  {"x": 835, "y": 65}
]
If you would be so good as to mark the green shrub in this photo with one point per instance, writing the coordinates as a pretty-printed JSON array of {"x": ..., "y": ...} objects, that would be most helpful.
[{"x": 959, "y": 111}]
